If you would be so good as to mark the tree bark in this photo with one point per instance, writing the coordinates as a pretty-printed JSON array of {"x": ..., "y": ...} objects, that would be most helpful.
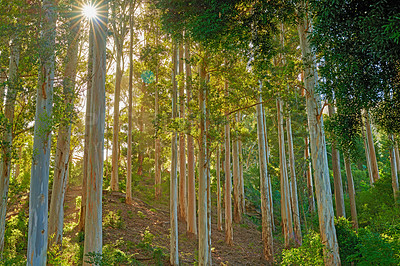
[
  {"x": 191, "y": 192},
  {"x": 396, "y": 150},
  {"x": 352, "y": 193},
  {"x": 85, "y": 170},
  {"x": 130, "y": 115},
  {"x": 38, "y": 193},
  {"x": 371, "y": 149},
  {"x": 393, "y": 164},
  {"x": 337, "y": 176},
  {"x": 174, "y": 255},
  {"x": 286, "y": 210},
  {"x": 242, "y": 203},
  {"x": 182, "y": 148},
  {"x": 367, "y": 157},
  {"x": 318, "y": 147},
  {"x": 266, "y": 205},
  {"x": 237, "y": 215},
  {"x": 219, "y": 211},
  {"x": 93, "y": 219},
  {"x": 228, "y": 180},
  {"x": 5, "y": 163},
  {"x": 310, "y": 187},
  {"x": 295, "y": 203},
  {"x": 203, "y": 177},
  {"x": 62, "y": 157}
]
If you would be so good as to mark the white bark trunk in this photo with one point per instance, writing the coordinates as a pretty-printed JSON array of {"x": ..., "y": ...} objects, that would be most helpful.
[
  {"x": 352, "y": 193},
  {"x": 266, "y": 205},
  {"x": 318, "y": 147},
  {"x": 237, "y": 215},
  {"x": 393, "y": 164},
  {"x": 371, "y": 149},
  {"x": 38, "y": 193},
  {"x": 219, "y": 211},
  {"x": 310, "y": 186},
  {"x": 93, "y": 219}
]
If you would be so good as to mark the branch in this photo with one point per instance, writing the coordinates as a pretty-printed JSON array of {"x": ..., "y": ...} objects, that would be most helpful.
[{"x": 246, "y": 107}]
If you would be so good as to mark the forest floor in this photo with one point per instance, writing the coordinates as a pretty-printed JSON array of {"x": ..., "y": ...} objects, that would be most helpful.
[{"x": 142, "y": 229}]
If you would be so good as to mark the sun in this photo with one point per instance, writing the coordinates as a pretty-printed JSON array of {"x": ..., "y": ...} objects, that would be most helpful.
[{"x": 89, "y": 11}]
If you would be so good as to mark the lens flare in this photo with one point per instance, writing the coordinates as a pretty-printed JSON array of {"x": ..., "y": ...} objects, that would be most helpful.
[{"x": 89, "y": 11}]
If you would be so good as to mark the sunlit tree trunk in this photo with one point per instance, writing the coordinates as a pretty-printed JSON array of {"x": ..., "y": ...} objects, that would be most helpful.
[
  {"x": 218, "y": 169},
  {"x": 157, "y": 152},
  {"x": 237, "y": 215},
  {"x": 368, "y": 159},
  {"x": 38, "y": 193},
  {"x": 18, "y": 165},
  {"x": 228, "y": 180},
  {"x": 174, "y": 255},
  {"x": 85, "y": 172},
  {"x": 310, "y": 187},
  {"x": 62, "y": 157},
  {"x": 393, "y": 164},
  {"x": 93, "y": 220},
  {"x": 337, "y": 176},
  {"x": 352, "y": 193},
  {"x": 191, "y": 188},
  {"x": 182, "y": 147},
  {"x": 130, "y": 115},
  {"x": 5, "y": 163},
  {"x": 266, "y": 205},
  {"x": 317, "y": 143},
  {"x": 371, "y": 149},
  {"x": 295, "y": 203},
  {"x": 286, "y": 210},
  {"x": 203, "y": 177},
  {"x": 396, "y": 150},
  {"x": 242, "y": 203}
]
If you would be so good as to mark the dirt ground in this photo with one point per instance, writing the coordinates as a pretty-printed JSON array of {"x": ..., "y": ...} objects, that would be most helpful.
[{"x": 140, "y": 220}]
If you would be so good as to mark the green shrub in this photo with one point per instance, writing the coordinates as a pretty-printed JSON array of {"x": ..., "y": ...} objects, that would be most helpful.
[{"x": 347, "y": 239}]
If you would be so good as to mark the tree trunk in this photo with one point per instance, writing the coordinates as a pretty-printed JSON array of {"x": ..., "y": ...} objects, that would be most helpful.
[
  {"x": 191, "y": 191},
  {"x": 88, "y": 115},
  {"x": 38, "y": 193},
  {"x": 396, "y": 150},
  {"x": 352, "y": 193},
  {"x": 310, "y": 187},
  {"x": 295, "y": 204},
  {"x": 371, "y": 149},
  {"x": 114, "y": 183},
  {"x": 18, "y": 164},
  {"x": 318, "y": 147},
  {"x": 182, "y": 148},
  {"x": 174, "y": 256},
  {"x": 237, "y": 215},
  {"x": 219, "y": 211},
  {"x": 286, "y": 210},
  {"x": 203, "y": 178},
  {"x": 5, "y": 163},
  {"x": 141, "y": 129},
  {"x": 266, "y": 205},
  {"x": 242, "y": 203},
  {"x": 62, "y": 158},
  {"x": 130, "y": 115},
  {"x": 367, "y": 157},
  {"x": 393, "y": 164},
  {"x": 93, "y": 220},
  {"x": 228, "y": 180},
  {"x": 337, "y": 176}
]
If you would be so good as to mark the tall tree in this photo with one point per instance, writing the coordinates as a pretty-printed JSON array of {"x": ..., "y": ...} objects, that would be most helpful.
[
  {"x": 351, "y": 191},
  {"x": 38, "y": 193},
  {"x": 237, "y": 214},
  {"x": 93, "y": 220},
  {"x": 62, "y": 158},
  {"x": 218, "y": 169},
  {"x": 393, "y": 164},
  {"x": 317, "y": 143},
  {"x": 371, "y": 148}
]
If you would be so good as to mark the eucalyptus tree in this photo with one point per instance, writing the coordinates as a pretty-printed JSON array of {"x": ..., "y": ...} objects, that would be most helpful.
[
  {"x": 38, "y": 193},
  {"x": 93, "y": 220}
]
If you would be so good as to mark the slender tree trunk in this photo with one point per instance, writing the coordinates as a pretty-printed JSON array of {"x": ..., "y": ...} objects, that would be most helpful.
[
  {"x": 295, "y": 204},
  {"x": 38, "y": 193},
  {"x": 62, "y": 158},
  {"x": 93, "y": 220},
  {"x": 368, "y": 159},
  {"x": 157, "y": 153},
  {"x": 310, "y": 187},
  {"x": 318, "y": 147},
  {"x": 88, "y": 115},
  {"x": 396, "y": 150},
  {"x": 141, "y": 129},
  {"x": 371, "y": 149},
  {"x": 174, "y": 255},
  {"x": 182, "y": 148},
  {"x": 219, "y": 211},
  {"x": 286, "y": 210},
  {"x": 352, "y": 193},
  {"x": 209, "y": 206},
  {"x": 203, "y": 179},
  {"x": 237, "y": 215},
  {"x": 242, "y": 203},
  {"x": 337, "y": 176},
  {"x": 18, "y": 165},
  {"x": 5, "y": 163},
  {"x": 130, "y": 115},
  {"x": 191, "y": 192},
  {"x": 393, "y": 164},
  {"x": 115, "y": 146},
  {"x": 266, "y": 205},
  {"x": 228, "y": 180}
]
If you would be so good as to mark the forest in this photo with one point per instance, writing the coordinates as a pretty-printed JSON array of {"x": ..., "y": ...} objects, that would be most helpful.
[{"x": 167, "y": 132}]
